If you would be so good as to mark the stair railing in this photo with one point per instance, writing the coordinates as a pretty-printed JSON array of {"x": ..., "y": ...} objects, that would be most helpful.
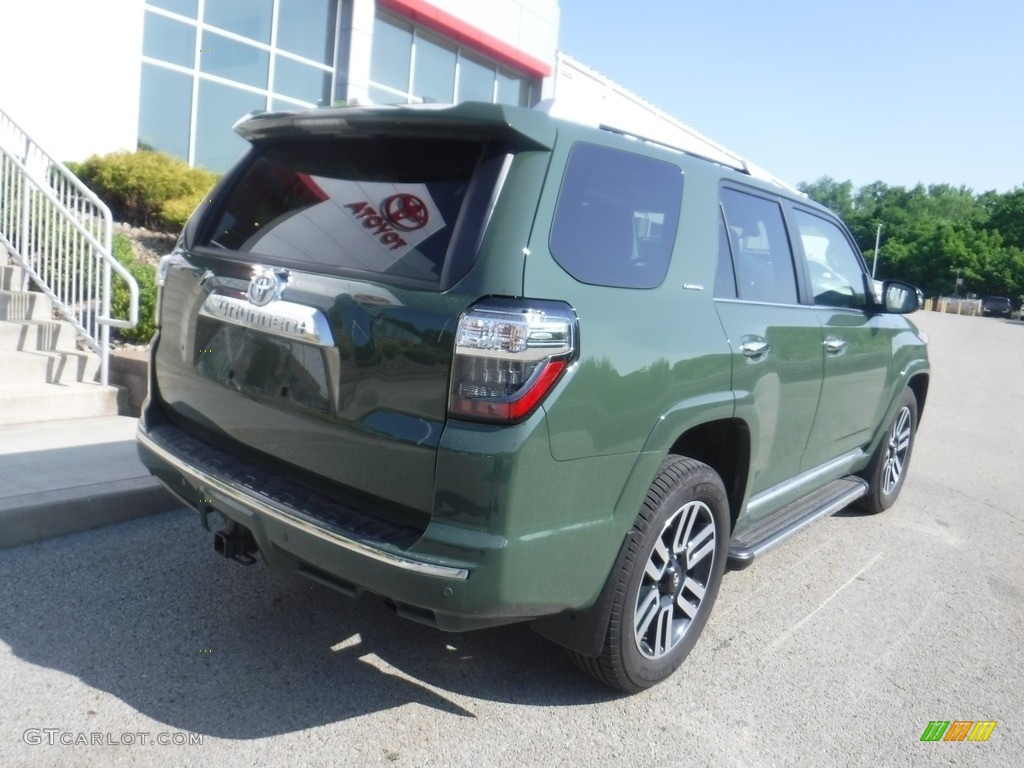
[{"x": 59, "y": 232}]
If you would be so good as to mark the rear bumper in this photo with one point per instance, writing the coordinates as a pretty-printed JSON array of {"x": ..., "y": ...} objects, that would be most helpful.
[
  {"x": 222, "y": 492},
  {"x": 477, "y": 564}
]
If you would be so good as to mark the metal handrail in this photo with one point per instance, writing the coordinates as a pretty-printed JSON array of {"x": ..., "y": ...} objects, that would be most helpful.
[{"x": 60, "y": 233}]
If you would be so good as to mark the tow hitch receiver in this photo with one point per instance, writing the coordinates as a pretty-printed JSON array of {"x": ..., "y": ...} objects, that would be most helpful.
[{"x": 236, "y": 543}]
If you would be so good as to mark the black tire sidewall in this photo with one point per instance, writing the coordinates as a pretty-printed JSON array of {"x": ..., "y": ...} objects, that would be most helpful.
[
  {"x": 704, "y": 485},
  {"x": 878, "y": 500}
]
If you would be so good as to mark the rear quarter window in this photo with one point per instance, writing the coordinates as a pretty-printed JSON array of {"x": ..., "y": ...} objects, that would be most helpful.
[
  {"x": 616, "y": 217},
  {"x": 383, "y": 206}
]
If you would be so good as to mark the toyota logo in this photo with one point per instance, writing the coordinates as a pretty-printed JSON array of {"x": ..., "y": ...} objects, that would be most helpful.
[
  {"x": 405, "y": 212},
  {"x": 265, "y": 286}
]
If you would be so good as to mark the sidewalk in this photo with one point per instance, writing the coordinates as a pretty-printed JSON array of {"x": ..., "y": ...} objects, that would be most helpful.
[{"x": 66, "y": 476}]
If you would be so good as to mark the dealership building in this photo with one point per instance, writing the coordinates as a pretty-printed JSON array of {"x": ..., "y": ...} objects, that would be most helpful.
[{"x": 174, "y": 75}]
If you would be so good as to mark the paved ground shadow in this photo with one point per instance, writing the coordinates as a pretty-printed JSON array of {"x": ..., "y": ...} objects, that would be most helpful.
[{"x": 147, "y": 612}]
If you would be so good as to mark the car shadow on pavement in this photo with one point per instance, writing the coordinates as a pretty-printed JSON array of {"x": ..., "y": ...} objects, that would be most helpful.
[{"x": 148, "y": 613}]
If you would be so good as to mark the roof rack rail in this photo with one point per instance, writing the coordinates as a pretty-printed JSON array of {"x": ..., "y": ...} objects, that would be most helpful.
[
  {"x": 661, "y": 129},
  {"x": 721, "y": 155},
  {"x": 683, "y": 139}
]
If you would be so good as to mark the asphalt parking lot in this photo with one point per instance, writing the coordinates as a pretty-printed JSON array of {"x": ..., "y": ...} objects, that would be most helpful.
[{"x": 836, "y": 648}]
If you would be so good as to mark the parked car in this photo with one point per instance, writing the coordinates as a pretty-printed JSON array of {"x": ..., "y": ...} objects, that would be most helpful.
[
  {"x": 996, "y": 305},
  {"x": 496, "y": 367}
]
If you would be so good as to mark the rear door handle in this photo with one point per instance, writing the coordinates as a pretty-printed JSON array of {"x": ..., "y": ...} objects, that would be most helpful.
[
  {"x": 834, "y": 345},
  {"x": 755, "y": 348}
]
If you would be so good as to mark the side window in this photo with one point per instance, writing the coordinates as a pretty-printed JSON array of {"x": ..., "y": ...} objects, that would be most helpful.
[
  {"x": 616, "y": 217},
  {"x": 725, "y": 276},
  {"x": 836, "y": 272},
  {"x": 762, "y": 256}
]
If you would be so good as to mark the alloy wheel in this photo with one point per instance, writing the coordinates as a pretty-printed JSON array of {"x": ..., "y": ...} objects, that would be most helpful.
[
  {"x": 675, "y": 580},
  {"x": 896, "y": 454}
]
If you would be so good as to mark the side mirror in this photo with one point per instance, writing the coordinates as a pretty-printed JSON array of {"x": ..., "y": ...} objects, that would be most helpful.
[{"x": 899, "y": 298}]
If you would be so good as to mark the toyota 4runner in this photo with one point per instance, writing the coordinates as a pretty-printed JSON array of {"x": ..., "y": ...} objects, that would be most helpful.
[{"x": 495, "y": 367}]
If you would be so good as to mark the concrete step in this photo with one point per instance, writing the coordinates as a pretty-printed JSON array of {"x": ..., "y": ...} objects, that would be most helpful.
[
  {"x": 50, "y": 367},
  {"x": 10, "y": 277},
  {"x": 20, "y": 305},
  {"x": 37, "y": 335},
  {"x": 28, "y": 403}
]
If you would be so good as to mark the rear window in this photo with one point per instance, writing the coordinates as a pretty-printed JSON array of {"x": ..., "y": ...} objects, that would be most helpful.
[
  {"x": 616, "y": 217},
  {"x": 381, "y": 206}
]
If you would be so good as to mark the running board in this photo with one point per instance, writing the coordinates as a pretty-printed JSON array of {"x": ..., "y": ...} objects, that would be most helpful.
[{"x": 788, "y": 520}]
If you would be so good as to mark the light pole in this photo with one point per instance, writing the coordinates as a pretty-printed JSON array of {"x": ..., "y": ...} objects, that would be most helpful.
[{"x": 878, "y": 238}]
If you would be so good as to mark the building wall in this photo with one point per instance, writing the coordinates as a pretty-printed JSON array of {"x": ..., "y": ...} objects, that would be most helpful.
[
  {"x": 69, "y": 73},
  {"x": 585, "y": 95},
  {"x": 74, "y": 69},
  {"x": 578, "y": 92},
  {"x": 450, "y": 51},
  {"x": 530, "y": 26},
  {"x": 205, "y": 63}
]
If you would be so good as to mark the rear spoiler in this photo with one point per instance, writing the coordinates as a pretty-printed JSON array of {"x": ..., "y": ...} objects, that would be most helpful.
[{"x": 521, "y": 127}]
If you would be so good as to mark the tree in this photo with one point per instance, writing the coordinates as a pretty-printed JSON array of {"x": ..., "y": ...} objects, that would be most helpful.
[
  {"x": 929, "y": 234},
  {"x": 838, "y": 196},
  {"x": 1006, "y": 215}
]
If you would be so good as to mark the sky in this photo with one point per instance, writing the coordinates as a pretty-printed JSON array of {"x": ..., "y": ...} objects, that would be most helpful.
[{"x": 903, "y": 91}]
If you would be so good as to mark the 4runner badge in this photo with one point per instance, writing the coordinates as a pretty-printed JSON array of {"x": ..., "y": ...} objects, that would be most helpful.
[{"x": 265, "y": 286}]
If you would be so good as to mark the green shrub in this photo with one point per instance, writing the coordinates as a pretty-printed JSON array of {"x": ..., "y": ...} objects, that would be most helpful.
[
  {"x": 145, "y": 276},
  {"x": 146, "y": 188},
  {"x": 175, "y": 212}
]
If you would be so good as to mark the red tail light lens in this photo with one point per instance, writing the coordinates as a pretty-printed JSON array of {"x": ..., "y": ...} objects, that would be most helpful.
[{"x": 508, "y": 355}]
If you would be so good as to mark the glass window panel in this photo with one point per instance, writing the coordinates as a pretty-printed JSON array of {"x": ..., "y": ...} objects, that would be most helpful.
[
  {"x": 188, "y": 8},
  {"x": 434, "y": 78},
  {"x": 616, "y": 217},
  {"x": 169, "y": 40},
  {"x": 384, "y": 206},
  {"x": 228, "y": 58},
  {"x": 249, "y": 18},
  {"x": 837, "y": 275},
  {"x": 384, "y": 96},
  {"x": 763, "y": 259},
  {"x": 301, "y": 81},
  {"x": 391, "y": 55},
  {"x": 513, "y": 90},
  {"x": 725, "y": 276},
  {"x": 281, "y": 104},
  {"x": 165, "y": 105},
  {"x": 220, "y": 106},
  {"x": 306, "y": 27},
  {"x": 476, "y": 80}
]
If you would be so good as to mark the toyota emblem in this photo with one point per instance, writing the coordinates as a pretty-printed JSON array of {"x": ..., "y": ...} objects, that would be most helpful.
[
  {"x": 265, "y": 286},
  {"x": 406, "y": 212}
]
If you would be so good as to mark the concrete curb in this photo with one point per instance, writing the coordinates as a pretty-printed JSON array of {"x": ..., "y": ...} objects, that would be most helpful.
[
  {"x": 34, "y": 517},
  {"x": 67, "y": 476}
]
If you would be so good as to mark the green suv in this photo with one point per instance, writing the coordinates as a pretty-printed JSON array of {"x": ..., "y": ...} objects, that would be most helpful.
[{"x": 494, "y": 367}]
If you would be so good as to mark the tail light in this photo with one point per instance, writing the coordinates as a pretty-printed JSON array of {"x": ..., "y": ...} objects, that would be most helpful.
[
  {"x": 172, "y": 259},
  {"x": 508, "y": 355}
]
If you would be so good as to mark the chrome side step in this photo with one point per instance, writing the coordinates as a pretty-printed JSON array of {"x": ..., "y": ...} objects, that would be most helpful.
[{"x": 788, "y": 520}]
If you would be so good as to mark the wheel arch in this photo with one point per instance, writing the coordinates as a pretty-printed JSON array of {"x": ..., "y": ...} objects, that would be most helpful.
[
  {"x": 919, "y": 386},
  {"x": 722, "y": 444}
]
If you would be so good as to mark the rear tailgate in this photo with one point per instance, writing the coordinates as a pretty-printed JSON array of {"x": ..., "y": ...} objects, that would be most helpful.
[
  {"x": 359, "y": 400},
  {"x": 307, "y": 322}
]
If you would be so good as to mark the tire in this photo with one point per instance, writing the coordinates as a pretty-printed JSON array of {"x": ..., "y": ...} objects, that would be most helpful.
[
  {"x": 888, "y": 468},
  {"x": 667, "y": 577}
]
